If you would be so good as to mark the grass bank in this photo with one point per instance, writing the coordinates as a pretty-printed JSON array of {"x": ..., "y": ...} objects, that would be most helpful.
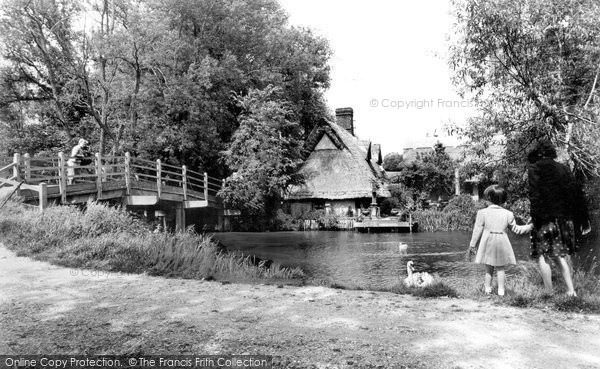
[
  {"x": 110, "y": 239},
  {"x": 107, "y": 238},
  {"x": 523, "y": 289}
]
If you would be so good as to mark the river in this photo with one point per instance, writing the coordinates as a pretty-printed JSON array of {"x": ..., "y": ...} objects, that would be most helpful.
[{"x": 369, "y": 260}]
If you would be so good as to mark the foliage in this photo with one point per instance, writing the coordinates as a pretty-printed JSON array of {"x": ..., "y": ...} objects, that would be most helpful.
[
  {"x": 160, "y": 79},
  {"x": 463, "y": 203},
  {"x": 458, "y": 215},
  {"x": 532, "y": 69},
  {"x": 432, "y": 220},
  {"x": 408, "y": 198},
  {"x": 431, "y": 174},
  {"x": 105, "y": 238},
  {"x": 285, "y": 222},
  {"x": 388, "y": 204},
  {"x": 520, "y": 208},
  {"x": 264, "y": 154},
  {"x": 392, "y": 162}
]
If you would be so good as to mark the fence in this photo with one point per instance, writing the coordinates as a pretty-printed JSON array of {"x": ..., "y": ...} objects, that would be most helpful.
[{"x": 105, "y": 173}]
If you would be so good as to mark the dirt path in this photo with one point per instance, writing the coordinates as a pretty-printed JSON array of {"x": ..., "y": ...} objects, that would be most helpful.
[{"x": 49, "y": 309}]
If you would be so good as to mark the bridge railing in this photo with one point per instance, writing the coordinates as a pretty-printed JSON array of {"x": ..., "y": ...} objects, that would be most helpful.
[{"x": 123, "y": 170}]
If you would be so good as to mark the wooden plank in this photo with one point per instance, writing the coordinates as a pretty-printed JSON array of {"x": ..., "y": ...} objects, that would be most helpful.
[
  {"x": 113, "y": 194},
  {"x": 171, "y": 197},
  {"x": 195, "y": 204},
  {"x": 172, "y": 190},
  {"x": 114, "y": 185},
  {"x": 141, "y": 200},
  {"x": 79, "y": 187}
]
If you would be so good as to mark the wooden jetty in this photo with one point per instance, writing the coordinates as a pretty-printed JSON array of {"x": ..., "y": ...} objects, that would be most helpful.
[{"x": 391, "y": 224}]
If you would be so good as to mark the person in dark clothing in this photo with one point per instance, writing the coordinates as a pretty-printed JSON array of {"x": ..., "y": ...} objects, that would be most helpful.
[{"x": 558, "y": 211}]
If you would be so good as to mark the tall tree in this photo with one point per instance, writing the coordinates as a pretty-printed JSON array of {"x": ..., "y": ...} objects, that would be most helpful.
[
  {"x": 158, "y": 78},
  {"x": 265, "y": 153},
  {"x": 37, "y": 44},
  {"x": 533, "y": 68}
]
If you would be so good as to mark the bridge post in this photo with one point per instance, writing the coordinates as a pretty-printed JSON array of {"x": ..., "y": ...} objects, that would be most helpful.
[
  {"x": 16, "y": 171},
  {"x": 128, "y": 172},
  {"x": 180, "y": 218},
  {"x": 184, "y": 180},
  {"x": 43, "y": 194},
  {"x": 98, "y": 175},
  {"x": 62, "y": 172},
  {"x": 206, "y": 186},
  {"x": 27, "y": 161},
  {"x": 158, "y": 177}
]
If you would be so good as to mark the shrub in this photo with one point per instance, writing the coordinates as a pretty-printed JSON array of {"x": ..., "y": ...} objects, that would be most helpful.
[
  {"x": 105, "y": 238},
  {"x": 285, "y": 222},
  {"x": 458, "y": 215},
  {"x": 388, "y": 204}
]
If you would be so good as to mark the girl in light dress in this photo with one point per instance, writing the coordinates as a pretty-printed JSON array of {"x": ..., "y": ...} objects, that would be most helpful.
[{"x": 495, "y": 250}]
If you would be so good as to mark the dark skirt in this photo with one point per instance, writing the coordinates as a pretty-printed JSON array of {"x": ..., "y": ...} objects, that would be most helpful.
[{"x": 554, "y": 239}]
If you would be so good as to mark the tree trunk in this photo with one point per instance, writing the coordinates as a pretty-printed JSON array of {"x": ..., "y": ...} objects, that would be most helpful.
[{"x": 101, "y": 149}]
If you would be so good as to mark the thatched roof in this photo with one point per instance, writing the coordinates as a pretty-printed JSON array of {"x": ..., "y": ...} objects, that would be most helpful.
[{"x": 337, "y": 167}]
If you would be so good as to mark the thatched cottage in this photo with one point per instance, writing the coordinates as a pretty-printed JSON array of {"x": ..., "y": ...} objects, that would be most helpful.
[{"x": 341, "y": 172}]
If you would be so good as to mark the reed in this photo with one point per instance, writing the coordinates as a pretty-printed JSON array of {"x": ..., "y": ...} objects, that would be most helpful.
[
  {"x": 107, "y": 238},
  {"x": 434, "y": 220}
]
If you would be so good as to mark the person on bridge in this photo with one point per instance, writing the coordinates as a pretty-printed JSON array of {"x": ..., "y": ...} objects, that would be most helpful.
[{"x": 80, "y": 155}]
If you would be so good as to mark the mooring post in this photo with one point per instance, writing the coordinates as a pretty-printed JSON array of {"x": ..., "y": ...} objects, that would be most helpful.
[
  {"x": 43, "y": 195},
  {"x": 128, "y": 173},
  {"x": 62, "y": 172},
  {"x": 158, "y": 177}
]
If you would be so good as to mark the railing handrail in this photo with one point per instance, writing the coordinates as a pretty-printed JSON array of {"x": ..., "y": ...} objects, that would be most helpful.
[
  {"x": 9, "y": 166},
  {"x": 31, "y": 169}
]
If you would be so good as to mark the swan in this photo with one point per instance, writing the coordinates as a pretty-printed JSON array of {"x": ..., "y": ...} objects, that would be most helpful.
[
  {"x": 402, "y": 247},
  {"x": 416, "y": 279}
]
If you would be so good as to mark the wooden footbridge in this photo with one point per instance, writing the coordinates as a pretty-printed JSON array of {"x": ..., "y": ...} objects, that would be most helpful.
[{"x": 151, "y": 186}]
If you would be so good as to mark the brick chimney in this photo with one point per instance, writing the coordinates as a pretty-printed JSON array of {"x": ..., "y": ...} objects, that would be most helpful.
[{"x": 344, "y": 117}]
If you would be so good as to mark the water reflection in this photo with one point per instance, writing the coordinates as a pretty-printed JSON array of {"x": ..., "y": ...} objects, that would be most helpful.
[{"x": 366, "y": 259}]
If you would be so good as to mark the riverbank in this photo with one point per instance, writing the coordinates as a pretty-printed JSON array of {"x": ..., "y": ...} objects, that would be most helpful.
[
  {"x": 110, "y": 239},
  {"x": 51, "y": 309}
]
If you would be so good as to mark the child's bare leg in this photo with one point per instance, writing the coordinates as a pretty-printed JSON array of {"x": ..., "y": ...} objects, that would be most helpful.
[
  {"x": 546, "y": 273},
  {"x": 489, "y": 272},
  {"x": 501, "y": 279},
  {"x": 567, "y": 273}
]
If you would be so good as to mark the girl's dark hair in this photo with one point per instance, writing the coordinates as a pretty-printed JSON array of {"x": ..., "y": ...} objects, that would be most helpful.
[
  {"x": 495, "y": 194},
  {"x": 543, "y": 149}
]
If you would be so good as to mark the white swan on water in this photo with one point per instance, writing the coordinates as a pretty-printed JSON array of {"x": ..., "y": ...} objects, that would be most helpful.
[
  {"x": 421, "y": 279},
  {"x": 403, "y": 248}
]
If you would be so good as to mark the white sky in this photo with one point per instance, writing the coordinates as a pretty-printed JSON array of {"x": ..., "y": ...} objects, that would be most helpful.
[{"x": 387, "y": 51}]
